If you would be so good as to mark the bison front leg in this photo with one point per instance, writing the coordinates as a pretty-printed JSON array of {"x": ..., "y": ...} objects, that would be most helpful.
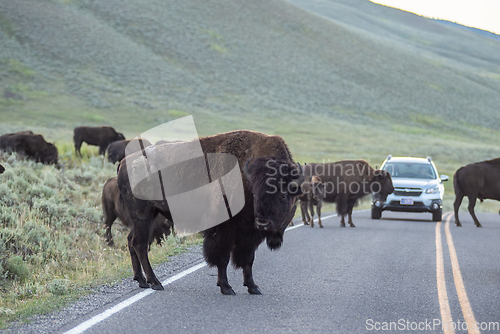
[
  {"x": 472, "y": 204},
  {"x": 311, "y": 210},
  {"x": 243, "y": 257},
  {"x": 456, "y": 206},
  {"x": 217, "y": 253},
  {"x": 305, "y": 214},
  {"x": 139, "y": 244},
  {"x": 318, "y": 211},
  {"x": 349, "y": 214}
]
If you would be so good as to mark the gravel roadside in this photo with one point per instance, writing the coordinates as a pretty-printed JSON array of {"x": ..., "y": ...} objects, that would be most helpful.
[{"x": 103, "y": 295}]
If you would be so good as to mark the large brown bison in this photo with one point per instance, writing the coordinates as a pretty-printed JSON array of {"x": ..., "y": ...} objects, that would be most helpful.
[
  {"x": 32, "y": 145},
  {"x": 100, "y": 136},
  {"x": 480, "y": 180},
  {"x": 346, "y": 182},
  {"x": 271, "y": 181},
  {"x": 116, "y": 150},
  {"x": 3, "y": 138},
  {"x": 313, "y": 192},
  {"x": 113, "y": 207}
]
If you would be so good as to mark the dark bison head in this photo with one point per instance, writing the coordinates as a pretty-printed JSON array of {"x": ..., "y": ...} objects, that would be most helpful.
[
  {"x": 49, "y": 154},
  {"x": 382, "y": 185},
  {"x": 119, "y": 136},
  {"x": 274, "y": 185}
]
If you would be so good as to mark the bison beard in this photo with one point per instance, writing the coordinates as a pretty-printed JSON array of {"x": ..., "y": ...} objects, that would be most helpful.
[{"x": 269, "y": 207}]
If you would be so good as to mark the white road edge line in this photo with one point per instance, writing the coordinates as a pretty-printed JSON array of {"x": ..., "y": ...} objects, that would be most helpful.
[{"x": 127, "y": 302}]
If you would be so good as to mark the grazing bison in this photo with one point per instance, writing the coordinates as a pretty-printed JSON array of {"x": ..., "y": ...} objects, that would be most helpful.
[
  {"x": 100, "y": 136},
  {"x": 112, "y": 206},
  {"x": 271, "y": 181},
  {"x": 347, "y": 181},
  {"x": 33, "y": 146},
  {"x": 3, "y": 138},
  {"x": 312, "y": 195},
  {"x": 116, "y": 150},
  {"x": 480, "y": 180}
]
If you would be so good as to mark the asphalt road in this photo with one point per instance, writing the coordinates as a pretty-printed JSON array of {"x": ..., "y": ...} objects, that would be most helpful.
[{"x": 380, "y": 275}]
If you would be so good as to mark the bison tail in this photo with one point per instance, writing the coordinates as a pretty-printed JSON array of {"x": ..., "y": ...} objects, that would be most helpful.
[{"x": 456, "y": 182}]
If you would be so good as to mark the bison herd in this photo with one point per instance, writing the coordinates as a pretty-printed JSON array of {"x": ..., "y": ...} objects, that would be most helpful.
[{"x": 273, "y": 185}]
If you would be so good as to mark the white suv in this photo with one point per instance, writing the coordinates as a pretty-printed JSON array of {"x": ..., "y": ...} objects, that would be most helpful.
[{"x": 417, "y": 187}]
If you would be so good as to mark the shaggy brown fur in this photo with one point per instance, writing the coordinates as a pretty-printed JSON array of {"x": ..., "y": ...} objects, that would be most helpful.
[
  {"x": 32, "y": 145},
  {"x": 480, "y": 180},
  {"x": 347, "y": 181},
  {"x": 264, "y": 216}
]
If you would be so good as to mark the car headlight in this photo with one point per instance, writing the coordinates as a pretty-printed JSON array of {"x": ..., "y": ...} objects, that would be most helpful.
[{"x": 432, "y": 190}]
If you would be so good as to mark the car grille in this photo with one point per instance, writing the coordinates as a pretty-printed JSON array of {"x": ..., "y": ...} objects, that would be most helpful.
[
  {"x": 415, "y": 204},
  {"x": 408, "y": 192}
]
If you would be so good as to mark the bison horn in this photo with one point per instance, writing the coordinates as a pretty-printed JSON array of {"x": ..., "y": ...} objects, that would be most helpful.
[
  {"x": 301, "y": 172},
  {"x": 246, "y": 172}
]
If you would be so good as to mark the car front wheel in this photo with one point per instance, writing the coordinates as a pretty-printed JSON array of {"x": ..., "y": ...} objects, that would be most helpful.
[
  {"x": 437, "y": 216},
  {"x": 376, "y": 213}
]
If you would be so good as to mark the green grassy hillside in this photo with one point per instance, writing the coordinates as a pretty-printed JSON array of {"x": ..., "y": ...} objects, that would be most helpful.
[{"x": 353, "y": 81}]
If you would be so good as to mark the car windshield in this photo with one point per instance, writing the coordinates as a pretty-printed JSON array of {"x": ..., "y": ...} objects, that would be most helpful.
[{"x": 410, "y": 170}]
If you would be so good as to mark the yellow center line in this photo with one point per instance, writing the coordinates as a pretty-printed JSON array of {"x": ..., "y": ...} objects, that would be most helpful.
[
  {"x": 459, "y": 283},
  {"x": 444, "y": 304}
]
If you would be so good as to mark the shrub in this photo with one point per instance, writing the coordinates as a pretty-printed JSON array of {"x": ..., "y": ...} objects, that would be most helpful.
[
  {"x": 17, "y": 268},
  {"x": 58, "y": 286}
]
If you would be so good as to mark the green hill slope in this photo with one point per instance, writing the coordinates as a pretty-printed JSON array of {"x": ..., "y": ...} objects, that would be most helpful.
[{"x": 359, "y": 81}]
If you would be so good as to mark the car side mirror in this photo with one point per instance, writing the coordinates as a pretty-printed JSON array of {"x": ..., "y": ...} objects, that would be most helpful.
[{"x": 444, "y": 178}]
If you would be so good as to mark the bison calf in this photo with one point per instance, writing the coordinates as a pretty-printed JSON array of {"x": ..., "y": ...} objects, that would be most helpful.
[
  {"x": 312, "y": 195},
  {"x": 113, "y": 207}
]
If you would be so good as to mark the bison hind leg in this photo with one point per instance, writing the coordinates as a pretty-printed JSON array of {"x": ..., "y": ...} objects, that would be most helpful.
[{"x": 472, "y": 204}]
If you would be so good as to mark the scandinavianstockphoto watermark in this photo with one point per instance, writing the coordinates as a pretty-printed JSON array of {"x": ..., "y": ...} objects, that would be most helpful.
[
  {"x": 428, "y": 325},
  {"x": 346, "y": 171}
]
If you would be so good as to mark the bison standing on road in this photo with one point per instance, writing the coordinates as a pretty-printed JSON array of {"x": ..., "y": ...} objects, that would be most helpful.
[
  {"x": 478, "y": 180},
  {"x": 32, "y": 145},
  {"x": 100, "y": 136},
  {"x": 116, "y": 150},
  {"x": 113, "y": 207},
  {"x": 312, "y": 195},
  {"x": 346, "y": 182},
  {"x": 271, "y": 181}
]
